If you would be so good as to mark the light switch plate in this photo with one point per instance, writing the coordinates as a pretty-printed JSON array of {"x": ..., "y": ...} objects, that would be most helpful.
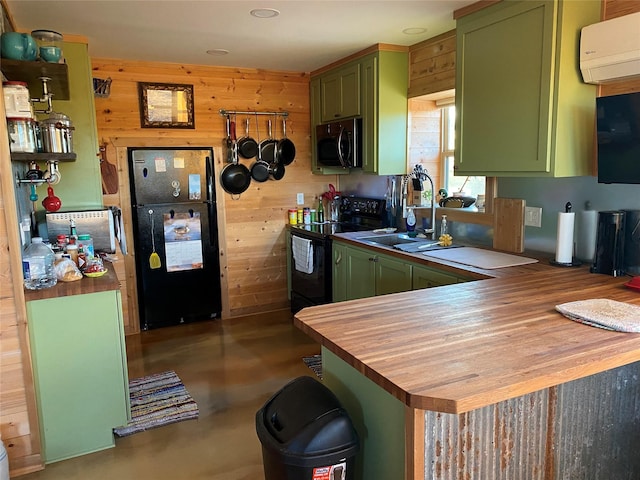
[
  {"x": 300, "y": 199},
  {"x": 533, "y": 216}
]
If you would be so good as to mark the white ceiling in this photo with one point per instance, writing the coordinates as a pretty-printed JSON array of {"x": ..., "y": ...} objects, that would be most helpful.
[{"x": 304, "y": 37}]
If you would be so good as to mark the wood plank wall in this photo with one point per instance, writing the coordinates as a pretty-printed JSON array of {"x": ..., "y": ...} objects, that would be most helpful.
[
  {"x": 253, "y": 237},
  {"x": 432, "y": 65},
  {"x": 19, "y": 428}
]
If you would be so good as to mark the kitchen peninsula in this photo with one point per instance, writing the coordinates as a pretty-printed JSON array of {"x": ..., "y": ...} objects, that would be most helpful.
[{"x": 484, "y": 379}]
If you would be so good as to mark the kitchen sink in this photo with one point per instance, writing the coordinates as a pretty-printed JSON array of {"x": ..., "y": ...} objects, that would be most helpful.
[{"x": 392, "y": 239}]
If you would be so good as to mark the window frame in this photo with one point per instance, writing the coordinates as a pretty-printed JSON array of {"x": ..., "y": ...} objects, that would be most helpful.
[{"x": 491, "y": 183}]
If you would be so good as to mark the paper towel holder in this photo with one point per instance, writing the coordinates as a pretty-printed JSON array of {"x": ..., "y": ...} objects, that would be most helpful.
[{"x": 574, "y": 261}]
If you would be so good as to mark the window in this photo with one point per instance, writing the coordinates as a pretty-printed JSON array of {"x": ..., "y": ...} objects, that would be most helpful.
[{"x": 467, "y": 186}]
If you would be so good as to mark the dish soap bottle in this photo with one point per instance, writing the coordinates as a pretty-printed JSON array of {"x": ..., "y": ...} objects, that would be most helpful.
[
  {"x": 411, "y": 220},
  {"x": 443, "y": 225}
]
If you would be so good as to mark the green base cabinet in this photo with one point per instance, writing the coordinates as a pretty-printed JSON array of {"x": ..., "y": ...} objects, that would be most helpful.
[
  {"x": 425, "y": 277},
  {"x": 522, "y": 107},
  {"x": 80, "y": 372},
  {"x": 377, "y": 416},
  {"x": 363, "y": 273}
]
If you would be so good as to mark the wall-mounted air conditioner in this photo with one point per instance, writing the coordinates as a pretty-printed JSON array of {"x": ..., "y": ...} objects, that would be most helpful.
[{"x": 610, "y": 50}]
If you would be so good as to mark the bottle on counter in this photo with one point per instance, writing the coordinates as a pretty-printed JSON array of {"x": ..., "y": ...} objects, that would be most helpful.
[
  {"x": 86, "y": 243},
  {"x": 73, "y": 232},
  {"x": 37, "y": 266},
  {"x": 72, "y": 251},
  {"x": 306, "y": 215},
  {"x": 444, "y": 229},
  {"x": 320, "y": 212}
]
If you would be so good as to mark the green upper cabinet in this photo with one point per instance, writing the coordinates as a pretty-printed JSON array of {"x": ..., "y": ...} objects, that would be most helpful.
[
  {"x": 316, "y": 101},
  {"x": 523, "y": 109},
  {"x": 385, "y": 76},
  {"x": 80, "y": 186},
  {"x": 373, "y": 87},
  {"x": 340, "y": 93}
]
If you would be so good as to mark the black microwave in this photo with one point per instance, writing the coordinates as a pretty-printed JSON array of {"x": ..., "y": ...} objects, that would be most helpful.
[{"x": 339, "y": 144}]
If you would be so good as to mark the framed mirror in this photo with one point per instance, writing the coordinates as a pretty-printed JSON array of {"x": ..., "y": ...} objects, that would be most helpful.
[{"x": 166, "y": 105}]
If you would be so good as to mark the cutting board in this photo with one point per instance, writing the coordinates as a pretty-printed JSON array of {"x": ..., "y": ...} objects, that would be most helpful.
[
  {"x": 508, "y": 224},
  {"x": 477, "y": 257}
]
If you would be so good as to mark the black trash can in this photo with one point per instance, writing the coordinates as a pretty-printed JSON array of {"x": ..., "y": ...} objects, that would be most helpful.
[{"x": 306, "y": 434}]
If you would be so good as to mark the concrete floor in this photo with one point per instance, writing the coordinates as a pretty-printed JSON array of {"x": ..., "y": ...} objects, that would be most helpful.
[{"x": 230, "y": 368}]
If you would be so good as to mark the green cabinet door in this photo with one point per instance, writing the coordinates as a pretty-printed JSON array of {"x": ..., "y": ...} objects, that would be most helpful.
[
  {"x": 384, "y": 112},
  {"x": 340, "y": 93},
  {"x": 339, "y": 272},
  {"x": 315, "y": 102},
  {"x": 392, "y": 275},
  {"x": 522, "y": 107},
  {"x": 425, "y": 277},
  {"x": 80, "y": 372},
  {"x": 361, "y": 275}
]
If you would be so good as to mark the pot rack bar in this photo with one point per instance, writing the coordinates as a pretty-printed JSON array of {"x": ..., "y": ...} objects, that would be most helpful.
[{"x": 224, "y": 113}]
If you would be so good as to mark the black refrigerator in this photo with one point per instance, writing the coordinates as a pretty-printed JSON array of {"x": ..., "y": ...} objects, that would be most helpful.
[{"x": 175, "y": 235}]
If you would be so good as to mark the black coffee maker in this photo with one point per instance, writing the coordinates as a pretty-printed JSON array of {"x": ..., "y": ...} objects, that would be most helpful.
[{"x": 609, "y": 257}]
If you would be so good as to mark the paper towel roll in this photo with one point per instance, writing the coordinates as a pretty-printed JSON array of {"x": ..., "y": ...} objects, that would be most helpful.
[
  {"x": 586, "y": 230},
  {"x": 564, "y": 240}
]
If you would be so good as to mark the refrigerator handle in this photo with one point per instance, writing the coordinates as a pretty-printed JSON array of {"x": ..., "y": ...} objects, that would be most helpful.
[
  {"x": 209, "y": 175},
  {"x": 213, "y": 222}
]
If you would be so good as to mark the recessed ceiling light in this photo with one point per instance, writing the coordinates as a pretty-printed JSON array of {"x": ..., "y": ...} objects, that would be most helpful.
[
  {"x": 414, "y": 31},
  {"x": 217, "y": 51},
  {"x": 265, "y": 12}
]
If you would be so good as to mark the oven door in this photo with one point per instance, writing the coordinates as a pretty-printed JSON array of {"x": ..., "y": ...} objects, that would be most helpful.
[{"x": 312, "y": 288}]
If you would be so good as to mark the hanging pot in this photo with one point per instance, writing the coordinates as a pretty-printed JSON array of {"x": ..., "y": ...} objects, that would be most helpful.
[
  {"x": 276, "y": 170},
  {"x": 247, "y": 146},
  {"x": 286, "y": 148},
  {"x": 235, "y": 178},
  {"x": 268, "y": 147}
]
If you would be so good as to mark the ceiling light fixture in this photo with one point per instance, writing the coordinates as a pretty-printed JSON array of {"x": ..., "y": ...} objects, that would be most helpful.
[
  {"x": 414, "y": 31},
  {"x": 217, "y": 52},
  {"x": 265, "y": 12}
]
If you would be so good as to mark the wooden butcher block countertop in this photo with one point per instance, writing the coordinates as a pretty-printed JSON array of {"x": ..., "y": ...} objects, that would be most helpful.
[
  {"x": 461, "y": 347},
  {"x": 107, "y": 282}
]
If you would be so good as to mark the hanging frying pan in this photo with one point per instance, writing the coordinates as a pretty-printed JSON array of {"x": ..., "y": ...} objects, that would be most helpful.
[
  {"x": 286, "y": 149},
  {"x": 268, "y": 147},
  {"x": 235, "y": 177},
  {"x": 260, "y": 168},
  {"x": 247, "y": 146},
  {"x": 276, "y": 170}
]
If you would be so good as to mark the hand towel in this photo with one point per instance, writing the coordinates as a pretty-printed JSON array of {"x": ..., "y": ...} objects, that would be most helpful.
[{"x": 302, "y": 254}]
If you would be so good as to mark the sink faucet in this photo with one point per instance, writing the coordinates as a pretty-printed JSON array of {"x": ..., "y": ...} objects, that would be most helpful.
[{"x": 421, "y": 174}]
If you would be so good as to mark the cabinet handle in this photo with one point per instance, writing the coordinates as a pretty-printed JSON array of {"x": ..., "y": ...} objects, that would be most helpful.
[
  {"x": 373, "y": 259},
  {"x": 339, "y": 259}
]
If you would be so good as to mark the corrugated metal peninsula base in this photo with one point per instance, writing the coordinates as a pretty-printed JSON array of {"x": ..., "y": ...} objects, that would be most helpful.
[{"x": 588, "y": 429}]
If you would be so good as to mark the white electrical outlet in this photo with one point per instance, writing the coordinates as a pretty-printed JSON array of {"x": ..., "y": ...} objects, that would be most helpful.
[
  {"x": 300, "y": 198},
  {"x": 533, "y": 216}
]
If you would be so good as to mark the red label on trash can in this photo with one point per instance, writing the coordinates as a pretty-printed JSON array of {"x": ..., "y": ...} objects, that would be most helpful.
[{"x": 333, "y": 472}]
